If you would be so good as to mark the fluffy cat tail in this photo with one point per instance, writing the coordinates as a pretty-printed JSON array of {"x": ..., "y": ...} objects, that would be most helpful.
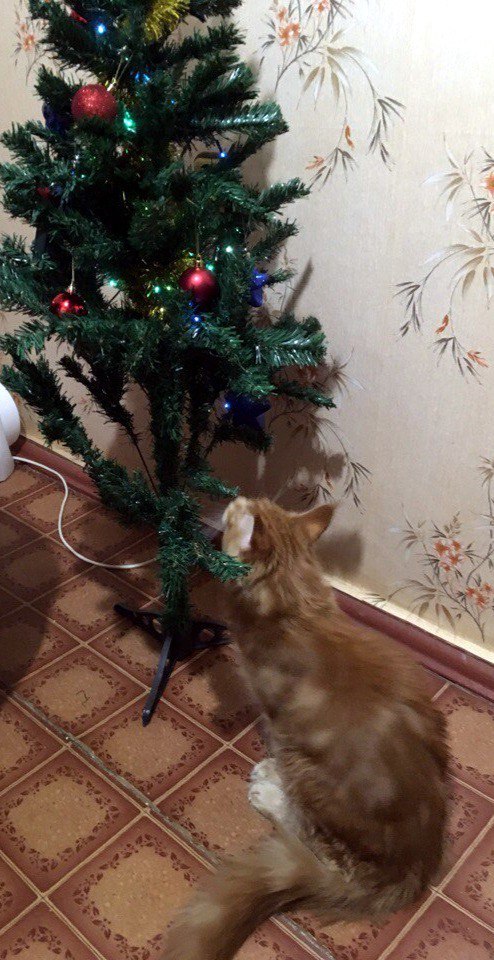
[{"x": 280, "y": 875}]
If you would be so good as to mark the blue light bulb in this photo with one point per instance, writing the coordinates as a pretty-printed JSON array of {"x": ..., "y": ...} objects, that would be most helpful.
[
  {"x": 196, "y": 318},
  {"x": 227, "y": 405},
  {"x": 223, "y": 154},
  {"x": 100, "y": 28}
]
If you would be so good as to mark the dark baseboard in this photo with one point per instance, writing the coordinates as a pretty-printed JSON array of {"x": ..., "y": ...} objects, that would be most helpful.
[
  {"x": 446, "y": 659},
  {"x": 75, "y": 476},
  {"x": 451, "y": 662}
]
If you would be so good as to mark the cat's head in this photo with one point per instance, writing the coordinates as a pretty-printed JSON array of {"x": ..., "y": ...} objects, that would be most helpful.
[{"x": 261, "y": 532}]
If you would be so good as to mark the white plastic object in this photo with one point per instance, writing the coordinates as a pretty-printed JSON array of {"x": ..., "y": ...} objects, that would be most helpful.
[{"x": 10, "y": 428}]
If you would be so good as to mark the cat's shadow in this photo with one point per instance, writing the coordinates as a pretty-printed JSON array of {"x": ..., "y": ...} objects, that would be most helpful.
[
  {"x": 271, "y": 475},
  {"x": 341, "y": 553}
]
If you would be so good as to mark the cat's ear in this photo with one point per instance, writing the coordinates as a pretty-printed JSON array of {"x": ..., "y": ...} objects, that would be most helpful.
[
  {"x": 259, "y": 539},
  {"x": 314, "y": 522},
  {"x": 245, "y": 529}
]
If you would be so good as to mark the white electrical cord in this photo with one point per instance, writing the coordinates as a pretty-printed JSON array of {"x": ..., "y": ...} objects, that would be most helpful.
[{"x": 95, "y": 563}]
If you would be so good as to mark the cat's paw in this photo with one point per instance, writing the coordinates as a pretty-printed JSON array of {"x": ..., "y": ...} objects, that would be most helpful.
[
  {"x": 265, "y": 770},
  {"x": 268, "y": 798}
]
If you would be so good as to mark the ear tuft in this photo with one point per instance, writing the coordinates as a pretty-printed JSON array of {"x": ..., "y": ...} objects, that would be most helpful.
[
  {"x": 314, "y": 522},
  {"x": 260, "y": 538},
  {"x": 245, "y": 528}
]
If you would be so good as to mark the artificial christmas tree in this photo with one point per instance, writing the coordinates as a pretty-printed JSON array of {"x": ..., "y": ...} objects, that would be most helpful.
[{"x": 134, "y": 186}]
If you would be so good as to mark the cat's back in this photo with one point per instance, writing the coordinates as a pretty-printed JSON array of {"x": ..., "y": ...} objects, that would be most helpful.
[
  {"x": 374, "y": 746},
  {"x": 360, "y": 658}
]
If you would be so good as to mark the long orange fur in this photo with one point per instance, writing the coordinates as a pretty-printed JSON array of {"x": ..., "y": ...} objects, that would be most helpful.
[{"x": 358, "y": 747}]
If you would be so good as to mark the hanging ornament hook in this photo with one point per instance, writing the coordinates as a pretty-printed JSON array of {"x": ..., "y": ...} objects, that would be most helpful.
[
  {"x": 71, "y": 286},
  {"x": 119, "y": 72},
  {"x": 198, "y": 259}
]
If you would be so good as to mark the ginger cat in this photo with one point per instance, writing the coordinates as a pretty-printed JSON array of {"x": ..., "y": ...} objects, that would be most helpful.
[{"x": 355, "y": 785}]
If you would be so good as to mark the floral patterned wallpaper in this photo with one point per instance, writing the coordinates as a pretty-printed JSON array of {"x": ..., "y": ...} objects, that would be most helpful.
[
  {"x": 389, "y": 107},
  {"x": 311, "y": 42},
  {"x": 454, "y": 580},
  {"x": 26, "y": 41},
  {"x": 467, "y": 192},
  {"x": 399, "y": 234}
]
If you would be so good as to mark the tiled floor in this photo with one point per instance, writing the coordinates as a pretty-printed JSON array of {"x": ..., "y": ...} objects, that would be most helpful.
[{"x": 105, "y": 825}]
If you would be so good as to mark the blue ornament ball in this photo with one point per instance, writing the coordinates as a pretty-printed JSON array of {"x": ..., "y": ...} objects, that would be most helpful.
[
  {"x": 257, "y": 284},
  {"x": 244, "y": 411},
  {"x": 55, "y": 121}
]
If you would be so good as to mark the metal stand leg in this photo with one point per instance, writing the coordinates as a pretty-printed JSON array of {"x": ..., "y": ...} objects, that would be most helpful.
[{"x": 202, "y": 635}]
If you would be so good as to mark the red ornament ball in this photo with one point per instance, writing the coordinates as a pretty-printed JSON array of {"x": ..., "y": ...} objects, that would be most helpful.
[
  {"x": 68, "y": 303},
  {"x": 44, "y": 192},
  {"x": 94, "y": 100},
  {"x": 201, "y": 284}
]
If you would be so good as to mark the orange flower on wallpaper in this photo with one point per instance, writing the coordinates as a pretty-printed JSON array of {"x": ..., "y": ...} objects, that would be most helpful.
[
  {"x": 315, "y": 163},
  {"x": 476, "y": 357},
  {"x": 451, "y": 584},
  {"x": 288, "y": 33},
  {"x": 442, "y": 326},
  {"x": 480, "y": 595},
  {"x": 441, "y": 548},
  {"x": 27, "y": 39},
  {"x": 321, "y": 6},
  {"x": 489, "y": 182},
  {"x": 348, "y": 137},
  {"x": 450, "y": 554}
]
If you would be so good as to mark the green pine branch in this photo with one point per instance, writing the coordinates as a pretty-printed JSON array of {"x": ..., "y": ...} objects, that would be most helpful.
[
  {"x": 213, "y": 8},
  {"x": 274, "y": 239},
  {"x": 254, "y": 439},
  {"x": 265, "y": 115},
  {"x": 127, "y": 493},
  {"x": 129, "y": 202},
  {"x": 291, "y": 343},
  {"x": 40, "y": 387},
  {"x": 290, "y": 388},
  {"x": 272, "y": 198},
  {"x": 199, "y": 45},
  {"x": 106, "y": 386},
  {"x": 205, "y": 482},
  {"x": 220, "y": 565},
  {"x": 52, "y": 87}
]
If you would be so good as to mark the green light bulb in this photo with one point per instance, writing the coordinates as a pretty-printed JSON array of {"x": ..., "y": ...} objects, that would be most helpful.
[{"x": 129, "y": 122}]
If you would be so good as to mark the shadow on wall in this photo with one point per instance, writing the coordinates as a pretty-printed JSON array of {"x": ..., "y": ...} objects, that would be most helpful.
[{"x": 274, "y": 475}]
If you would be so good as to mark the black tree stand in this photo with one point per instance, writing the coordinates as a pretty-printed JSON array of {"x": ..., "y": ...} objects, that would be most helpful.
[{"x": 201, "y": 635}]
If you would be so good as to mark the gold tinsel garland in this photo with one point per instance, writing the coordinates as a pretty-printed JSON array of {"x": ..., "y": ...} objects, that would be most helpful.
[
  {"x": 164, "y": 16},
  {"x": 175, "y": 270},
  {"x": 186, "y": 260}
]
